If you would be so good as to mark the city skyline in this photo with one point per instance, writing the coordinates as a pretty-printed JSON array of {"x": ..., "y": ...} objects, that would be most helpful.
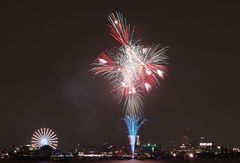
[
  {"x": 47, "y": 49},
  {"x": 47, "y": 137}
]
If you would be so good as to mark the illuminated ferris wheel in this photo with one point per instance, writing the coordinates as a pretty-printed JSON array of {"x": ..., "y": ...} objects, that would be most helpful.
[{"x": 44, "y": 136}]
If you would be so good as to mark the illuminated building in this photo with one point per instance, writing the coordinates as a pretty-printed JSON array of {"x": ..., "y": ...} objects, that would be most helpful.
[{"x": 151, "y": 149}]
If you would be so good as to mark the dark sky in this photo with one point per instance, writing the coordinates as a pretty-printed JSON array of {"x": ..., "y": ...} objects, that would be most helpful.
[{"x": 47, "y": 47}]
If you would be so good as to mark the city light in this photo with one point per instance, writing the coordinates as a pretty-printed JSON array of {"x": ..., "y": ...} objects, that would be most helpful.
[{"x": 191, "y": 155}]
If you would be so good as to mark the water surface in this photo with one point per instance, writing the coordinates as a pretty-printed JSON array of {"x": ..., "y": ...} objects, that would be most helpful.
[{"x": 126, "y": 161}]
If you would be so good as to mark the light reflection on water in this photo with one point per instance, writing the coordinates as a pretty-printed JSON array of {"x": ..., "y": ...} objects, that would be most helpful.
[{"x": 127, "y": 161}]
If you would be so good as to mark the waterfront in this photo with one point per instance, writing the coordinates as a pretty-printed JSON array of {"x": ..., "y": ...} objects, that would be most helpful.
[
  {"x": 129, "y": 161},
  {"x": 53, "y": 108}
]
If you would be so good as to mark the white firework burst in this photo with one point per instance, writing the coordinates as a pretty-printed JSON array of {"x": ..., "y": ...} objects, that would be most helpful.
[{"x": 44, "y": 136}]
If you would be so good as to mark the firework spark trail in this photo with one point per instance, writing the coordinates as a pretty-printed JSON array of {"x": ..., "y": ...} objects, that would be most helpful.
[
  {"x": 135, "y": 68},
  {"x": 133, "y": 125}
]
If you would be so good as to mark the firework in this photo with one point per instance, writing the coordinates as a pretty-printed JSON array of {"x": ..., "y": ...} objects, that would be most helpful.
[
  {"x": 44, "y": 136},
  {"x": 134, "y": 69},
  {"x": 133, "y": 125}
]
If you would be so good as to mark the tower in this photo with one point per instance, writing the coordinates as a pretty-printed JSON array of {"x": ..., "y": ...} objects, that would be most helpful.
[{"x": 138, "y": 140}]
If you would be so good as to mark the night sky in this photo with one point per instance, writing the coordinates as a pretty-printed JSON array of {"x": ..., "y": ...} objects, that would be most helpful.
[{"x": 47, "y": 47}]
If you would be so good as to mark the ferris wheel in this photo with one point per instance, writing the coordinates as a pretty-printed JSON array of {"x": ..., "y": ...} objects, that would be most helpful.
[{"x": 44, "y": 136}]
